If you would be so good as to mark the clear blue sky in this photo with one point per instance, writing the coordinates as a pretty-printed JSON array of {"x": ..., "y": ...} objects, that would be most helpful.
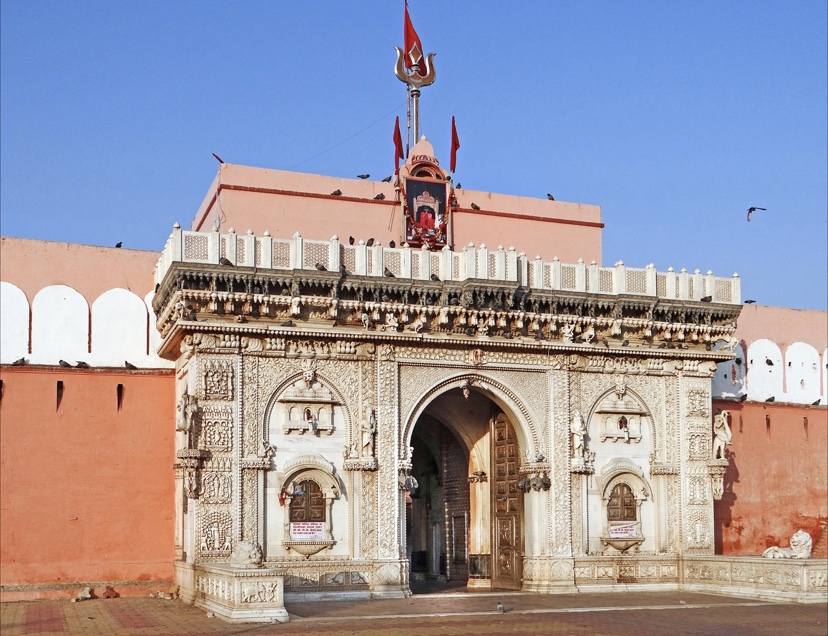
[{"x": 675, "y": 117}]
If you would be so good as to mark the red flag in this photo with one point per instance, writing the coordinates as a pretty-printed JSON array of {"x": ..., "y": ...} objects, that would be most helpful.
[
  {"x": 398, "y": 146},
  {"x": 411, "y": 42},
  {"x": 455, "y": 145}
]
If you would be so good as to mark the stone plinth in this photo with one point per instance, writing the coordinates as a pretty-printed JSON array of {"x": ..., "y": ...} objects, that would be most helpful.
[{"x": 241, "y": 595}]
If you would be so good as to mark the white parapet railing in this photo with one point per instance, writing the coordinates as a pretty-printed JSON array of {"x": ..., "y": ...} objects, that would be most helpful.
[{"x": 479, "y": 263}]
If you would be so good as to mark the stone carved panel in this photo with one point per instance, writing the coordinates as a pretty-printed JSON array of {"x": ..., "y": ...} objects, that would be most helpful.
[
  {"x": 368, "y": 518},
  {"x": 218, "y": 378},
  {"x": 250, "y": 504},
  {"x": 698, "y": 403},
  {"x": 216, "y": 532},
  {"x": 216, "y": 487},
  {"x": 387, "y": 442},
  {"x": 560, "y": 511},
  {"x": 217, "y": 428}
]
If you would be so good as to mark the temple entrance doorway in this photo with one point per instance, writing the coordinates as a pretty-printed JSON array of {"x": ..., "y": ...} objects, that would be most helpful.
[{"x": 464, "y": 519}]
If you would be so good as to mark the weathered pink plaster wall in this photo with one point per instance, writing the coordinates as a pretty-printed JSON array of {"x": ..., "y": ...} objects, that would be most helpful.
[
  {"x": 777, "y": 481},
  {"x": 86, "y": 488},
  {"x": 32, "y": 265},
  {"x": 284, "y": 202}
]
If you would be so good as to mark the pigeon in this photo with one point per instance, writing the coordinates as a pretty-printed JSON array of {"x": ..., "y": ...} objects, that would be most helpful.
[
  {"x": 287, "y": 323},
  {"x": 343, "y": 270},
  {"x": 387, "y": 179},
  {"x": 816, "y": 403},
  {"x": 63, "y": 363},
  {"x": 751, "y": 210},
  {"x": 321, "y": 267},
  {"x": 605, "y": 342},
  {"x": 474, "y": 206},
  {"x": 550, "y": 197},
  {"x": 119, "y": 244},
  {"x": 769, "y": 362},
  {"x": 749, "y": 301},
  {"x": 241, "y": 319},
  {"x": 285, "y": 292},
  {"x": 350, "y": 240},
  {"x": 392, "y": 244},
  {"x": 336, "y": 192},
  {"x": 363, "y": 176},
  {"x": 501, "y": 608},
  {"x": 743, "y": 397},
  {"x": 129, "y": 365},
  {"x": 369, "y": 242},
  {"x": 663, "y": 345},
  {"x": 682, "y": 603},
  {"x": 157, "y": 287},
  {"x": 82, "y": 365},
  {"x": 225, "y": 261},
  {"x": 470, "y": 331},
  {"x": 379, "y": 197},
  {"x": 435, "y": 278},
  {"x": 257, "y": 290},
  {"x": 19, "y": 362},
  {"x": 219, "y": 159},
  {"x": 388, "y": 273},
  {"x": 772, "y": 398},
  {"x": 706, "y": 299},
  {"x": 458, "y": 186}
]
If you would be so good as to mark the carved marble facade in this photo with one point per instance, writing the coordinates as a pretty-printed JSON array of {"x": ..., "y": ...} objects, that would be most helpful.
[{"x": 304, "y": 403}]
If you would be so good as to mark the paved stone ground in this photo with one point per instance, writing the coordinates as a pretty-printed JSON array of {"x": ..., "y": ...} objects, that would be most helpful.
[{"x": 617, "y": 614}]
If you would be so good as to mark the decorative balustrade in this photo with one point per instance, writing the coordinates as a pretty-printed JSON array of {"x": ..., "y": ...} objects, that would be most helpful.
[{"x": 479, "y": 263}]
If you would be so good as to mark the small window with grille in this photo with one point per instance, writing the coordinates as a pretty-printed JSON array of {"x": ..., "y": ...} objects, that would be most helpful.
[
  {"x": 622, "y": 505},
  {"x": 309, "y": 505}
]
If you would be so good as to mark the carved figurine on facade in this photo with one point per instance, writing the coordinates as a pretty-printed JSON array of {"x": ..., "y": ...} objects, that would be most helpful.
[
  {"x": 801, "y": 544},
  {"x": 722, "y": 435},
  {"x": 369, "y": 430},
  {"x": 247, "y": 554},
  {"x": 186, "y": 410},
  {"x": 578, "y": 430}
]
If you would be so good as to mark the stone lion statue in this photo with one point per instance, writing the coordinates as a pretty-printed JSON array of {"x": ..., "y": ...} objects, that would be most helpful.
[
  {"x": 248, "y": 554},
  {"x": 800, "y": 548}
]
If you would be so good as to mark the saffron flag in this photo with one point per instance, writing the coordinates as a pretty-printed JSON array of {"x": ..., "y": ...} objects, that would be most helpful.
[
  {"x": 455, "y": 145},
  {"x": 411, "y": 42},
  {"x": 398, "y": 146}
]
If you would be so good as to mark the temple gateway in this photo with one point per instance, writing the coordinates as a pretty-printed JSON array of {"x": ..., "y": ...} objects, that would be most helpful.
[{"x": 352, "y": 418}]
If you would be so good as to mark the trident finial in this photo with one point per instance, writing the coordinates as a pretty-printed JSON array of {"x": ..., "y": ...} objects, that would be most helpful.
[{"x": 415, "y": 78}]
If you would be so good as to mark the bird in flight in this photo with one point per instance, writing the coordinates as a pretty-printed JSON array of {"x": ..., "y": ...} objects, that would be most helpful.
[{"x": 751, "y": 210}]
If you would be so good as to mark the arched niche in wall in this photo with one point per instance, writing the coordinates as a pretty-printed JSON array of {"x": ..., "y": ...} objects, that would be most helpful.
[
  {"x": 765, "y": 371},
  {"x": 618, "y": 416},
  {"x": 14, "y": 323},
  {"x": 119, "y": 328},
  {"x": 155, "y": 339},
  {"x": 309, "y": 487},
  {"x": 624, "y": 492},
  {"x": 60, "y": 326},
  {"x": 802, "y": 373},
  {"x": 729, "y": 381}
]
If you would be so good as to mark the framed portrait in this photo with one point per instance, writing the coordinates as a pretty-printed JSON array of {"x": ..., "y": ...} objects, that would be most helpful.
[{"x": 426, "y": 212}]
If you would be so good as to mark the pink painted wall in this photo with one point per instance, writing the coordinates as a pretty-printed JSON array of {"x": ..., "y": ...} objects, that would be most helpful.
[
  {"x": 32, "y": 265},
  {"x": 783, "y": 325},
  {"x": 777, "y": 481},
  {"x": 86, "y": 490},
  {"x": 286, "y": 202}
]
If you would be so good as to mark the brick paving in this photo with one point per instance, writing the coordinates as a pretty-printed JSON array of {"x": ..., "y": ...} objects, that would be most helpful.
[{"x": 615, "y": 614}]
